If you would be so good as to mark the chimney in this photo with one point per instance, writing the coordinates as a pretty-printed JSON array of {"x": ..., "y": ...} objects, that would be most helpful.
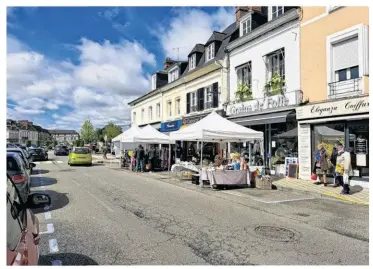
[
  {"x": 167, "y": 63},
  {"x": 241, "y": 11}
]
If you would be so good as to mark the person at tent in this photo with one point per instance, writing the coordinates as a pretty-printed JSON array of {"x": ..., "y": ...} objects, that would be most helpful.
[
  {"x": 134, "y": 157},
  {"x": 320, "y": 164},
  {"x": 152, "y": 158},
  {"x": 140, "y": 158}
]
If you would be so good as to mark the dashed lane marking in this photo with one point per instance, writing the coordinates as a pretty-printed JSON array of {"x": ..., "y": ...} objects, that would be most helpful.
[
  {"x": 50, "y": 229},
  {"x": 53, "y": 247},
  {"x": 47, "y": 215}
]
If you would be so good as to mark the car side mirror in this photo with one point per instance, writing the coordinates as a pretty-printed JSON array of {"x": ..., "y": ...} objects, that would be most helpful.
[
  {"x": 38, "y": 200},
  {"x": 32, "y": 165}
]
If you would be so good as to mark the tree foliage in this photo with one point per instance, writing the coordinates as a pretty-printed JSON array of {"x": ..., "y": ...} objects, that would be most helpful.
[
  {"x": 100, "y": 134},
  {"x": 111, "y": 130},
  {"x": 87, "y": 132}
]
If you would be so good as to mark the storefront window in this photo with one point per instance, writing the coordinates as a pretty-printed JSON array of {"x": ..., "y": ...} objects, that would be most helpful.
[
  {"x": 359, "y": 147},
  {"x": 284, "y": 142}
]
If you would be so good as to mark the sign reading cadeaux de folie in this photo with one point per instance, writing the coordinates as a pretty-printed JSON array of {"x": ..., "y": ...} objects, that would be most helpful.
[{"x": 336, "y": 108}]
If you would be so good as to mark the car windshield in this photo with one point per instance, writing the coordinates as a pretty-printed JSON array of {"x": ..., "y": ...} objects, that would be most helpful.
[
  {"x": 36, "y": 150},
  {"x": 81, "y": 151}
]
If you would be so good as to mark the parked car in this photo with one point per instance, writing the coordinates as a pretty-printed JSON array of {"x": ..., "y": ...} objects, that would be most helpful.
[
  {"x": 39, "y": 154},
  {"x": 19, "y": 174},
  {"x": 80, "y": 156},
  {"x": 61, "y": 150},
  {"x": 22, "y": 226},
  {"x": 26, "y": 157}
]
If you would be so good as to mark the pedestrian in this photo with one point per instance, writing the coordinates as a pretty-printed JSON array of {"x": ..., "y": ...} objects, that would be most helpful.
[
  {"x": 338, "y": 166},
  {"x": 140, "y": 157},
  {"x": 152, "y": 158},
  {"x": 134, "y": 156},
  {"x": 320, "y": 164},
  {"x": 344, "y": 169}
]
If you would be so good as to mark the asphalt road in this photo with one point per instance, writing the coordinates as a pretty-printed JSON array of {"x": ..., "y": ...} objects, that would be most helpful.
[{"x": 110, "y": 217}]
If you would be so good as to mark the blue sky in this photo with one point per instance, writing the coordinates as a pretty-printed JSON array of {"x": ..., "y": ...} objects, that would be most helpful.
[{"x": 68, "y": 64}]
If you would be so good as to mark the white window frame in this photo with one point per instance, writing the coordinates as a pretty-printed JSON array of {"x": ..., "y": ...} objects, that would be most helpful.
[
  {"x": 173, "y": 74},
  {"x": 192, "y": 61},
  {"x": 150, "y": 113},
  {"x": 210, "y": 52},
  {"x": 154, "y": 82},
  {"x": 158, "y": 110},
  {"x": 269, "y": 73},
  {"x": 249, "y": 73},
  {"x": 142, "y": 115},
  {"x": 177, "y": 106},
  {"x": 246, "y": 19},
  {"x": 134, "y": 117},
  {"x": 193, "y": 99},
  {"x": 169, "y": 108},
  {"x": 270, "y": 13},
  {"x": 359, "y": 30},
  {"x": 208, "y": 97}
]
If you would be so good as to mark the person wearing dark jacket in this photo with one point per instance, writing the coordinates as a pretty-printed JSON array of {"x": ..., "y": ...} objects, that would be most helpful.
[
  {"x": 152, "y": 158},
  {"x": 321, "y": 163},
  {"x": 141, "y": 157}
]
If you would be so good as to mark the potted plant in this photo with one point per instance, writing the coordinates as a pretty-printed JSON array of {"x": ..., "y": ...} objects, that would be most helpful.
[
  {"x": 275, "y": 86},
  {"x": 244, "y": 92}
]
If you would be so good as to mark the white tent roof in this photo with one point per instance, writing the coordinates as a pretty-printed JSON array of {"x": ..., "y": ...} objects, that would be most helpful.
[
  {"x": 215, "y": 128},
  {"x": 117, "y": 138},
  {"x": 156, "y": 136}
]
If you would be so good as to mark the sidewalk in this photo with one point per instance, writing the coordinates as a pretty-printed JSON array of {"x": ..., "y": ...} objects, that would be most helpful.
[
  {"x": 99, "y": 158},
  {"x": 358, "y": 194}
]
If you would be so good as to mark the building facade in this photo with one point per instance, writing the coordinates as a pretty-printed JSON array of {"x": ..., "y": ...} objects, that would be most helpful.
[
  {"x": 264, "y": 82},
  {"x": 335, "y": 79},
  {"x": 64, "y": 135}
]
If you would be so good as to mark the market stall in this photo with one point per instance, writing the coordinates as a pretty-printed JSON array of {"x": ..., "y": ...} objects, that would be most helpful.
[{"x": 214, "y": 128}]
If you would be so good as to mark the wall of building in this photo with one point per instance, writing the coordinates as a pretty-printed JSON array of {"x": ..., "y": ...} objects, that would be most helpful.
[
  {"x": 313, "y": 45},
  {"x": 286, "y": 37},
  {"x": 152, "y": 101},
  {"x": 173, "y": 95}
]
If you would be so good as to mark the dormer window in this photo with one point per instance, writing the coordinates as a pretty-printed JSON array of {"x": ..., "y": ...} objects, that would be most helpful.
[
  {"x": 245, "y": 26},
  {"x": 154, "y": 82},
  {"x": 275, "y": 11},
  {"x": 210, "y": 52},
  {"x": 173, "y": 75},
  {"x": 192, "y": 61}
]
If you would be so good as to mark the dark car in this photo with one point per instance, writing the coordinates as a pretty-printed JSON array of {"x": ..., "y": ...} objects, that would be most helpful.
[
  {"x": 38, "y": 154},
  {"x": 17, "y": 170},
  {"x": 22, "y": 226},
  {"x": 26, "y": 157},
  {"x": 61, "y": 150}
]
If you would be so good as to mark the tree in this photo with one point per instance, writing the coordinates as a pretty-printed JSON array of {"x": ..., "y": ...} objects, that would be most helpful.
[
  {"x": 87, "y": 133},
  {"x": 100, "y": 134},
  {"x": 111, "y": 130}
]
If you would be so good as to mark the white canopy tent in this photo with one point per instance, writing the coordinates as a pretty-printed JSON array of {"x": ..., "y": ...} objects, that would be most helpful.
[
  {"x": 215, "y": 128},
  {"x": 154, "y": 136}
]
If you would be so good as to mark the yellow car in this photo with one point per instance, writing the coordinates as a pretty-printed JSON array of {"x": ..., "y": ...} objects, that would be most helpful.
[{"x": 80, "y": 156}]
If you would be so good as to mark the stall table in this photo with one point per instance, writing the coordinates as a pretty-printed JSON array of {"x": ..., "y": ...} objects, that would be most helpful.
[{"x": 224, "y": 177}]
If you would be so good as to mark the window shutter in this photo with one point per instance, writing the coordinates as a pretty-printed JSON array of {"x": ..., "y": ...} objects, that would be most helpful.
[
  {"x": 345, "y": 54},
  {"x": 201, "y": 99},
  {"x": 215, "y": 94},
  {"x": 188, "y": 102}
]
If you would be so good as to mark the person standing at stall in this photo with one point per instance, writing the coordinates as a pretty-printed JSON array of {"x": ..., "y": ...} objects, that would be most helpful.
[
  {"x": 152, "y": 158},
  {"x": 320, "y": 164},
  {"x": 140, "y": 157}
]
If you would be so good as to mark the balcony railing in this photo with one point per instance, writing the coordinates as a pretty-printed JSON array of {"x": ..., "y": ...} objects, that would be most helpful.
[{"x": 346, "y": 87}]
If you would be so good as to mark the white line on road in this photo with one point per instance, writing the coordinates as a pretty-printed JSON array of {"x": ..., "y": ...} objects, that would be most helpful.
[
  {"x": 284, "y": 201},
  {"x": 36, "y": 162},
  {"x": 47, "y": 215},
  {"x": 234, "y": 193},
  {"x": 50, "y": 229},
  {"x": 49, "y": 162},
  {"x": 100, "y": 202},
  {"x": 53, "y": 247},
  {"x": 75, "y": 182},
  {"x": 59, "y": 161}
]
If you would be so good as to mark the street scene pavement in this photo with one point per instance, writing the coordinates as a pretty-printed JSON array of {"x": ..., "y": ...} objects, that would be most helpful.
[{"x": 101, "y": 215}]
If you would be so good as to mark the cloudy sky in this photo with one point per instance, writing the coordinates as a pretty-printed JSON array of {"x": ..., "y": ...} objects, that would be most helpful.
[{"x": 66, "y": 65}]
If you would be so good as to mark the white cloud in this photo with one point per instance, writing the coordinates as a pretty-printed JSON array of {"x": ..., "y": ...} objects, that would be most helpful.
[
  {"x": 111, "y": 15},
  {"x": 107, "y": 77},
  {"x": 191, "y": 26}
]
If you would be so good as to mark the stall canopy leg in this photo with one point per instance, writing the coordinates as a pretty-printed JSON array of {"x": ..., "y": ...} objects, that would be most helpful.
[
  {"x": 169, "y": 160},
  {"x": 201, "y": 152}
]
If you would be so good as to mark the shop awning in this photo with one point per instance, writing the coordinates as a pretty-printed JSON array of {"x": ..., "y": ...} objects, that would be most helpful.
[{"x": 259, "y": 119}]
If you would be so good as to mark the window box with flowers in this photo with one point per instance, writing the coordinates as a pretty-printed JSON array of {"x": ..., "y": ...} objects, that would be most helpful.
[
  {"x": 244, "y": 93},
  {"x": 275, "y": 86}
]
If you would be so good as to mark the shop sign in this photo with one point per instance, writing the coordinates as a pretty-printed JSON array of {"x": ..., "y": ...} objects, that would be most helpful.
[
  {"x": 337, "y": 108},
  {"x": 277, "y": 101},
  {"x": 171, "y": 126}
]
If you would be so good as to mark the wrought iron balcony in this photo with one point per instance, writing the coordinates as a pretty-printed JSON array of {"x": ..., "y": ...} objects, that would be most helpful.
[{"x": 345, "y": 87}]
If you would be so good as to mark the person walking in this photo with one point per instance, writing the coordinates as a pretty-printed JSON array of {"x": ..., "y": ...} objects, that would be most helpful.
[
  {"x": 320, "y": 164},
  {"x": 338, "y": 166},
  {"x": 344, "y": 169},
  {"x": 140, "y": 157},
  {"x": 152, "y": 158}
]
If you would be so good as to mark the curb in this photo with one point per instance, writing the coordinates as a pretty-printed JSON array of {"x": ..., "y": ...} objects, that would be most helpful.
[{"x": 324, "y": 194}]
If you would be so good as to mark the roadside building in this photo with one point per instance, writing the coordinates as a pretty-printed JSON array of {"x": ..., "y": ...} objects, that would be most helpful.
[
  {"x": 12, "y": 131},
  {"x": 64, "y": 135},
  {"x": 264, "y": 82},
  {"x": 335, "y": 79}
]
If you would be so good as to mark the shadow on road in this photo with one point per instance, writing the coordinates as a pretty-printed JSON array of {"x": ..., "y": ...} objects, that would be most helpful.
[
  {"x": 42, "y": 181},
  {"x": 59, "y": 200},
  {"x": 355, "y": 189},
  {"x": 39, "y": 172},
  {"x": 66, "y": 259}
]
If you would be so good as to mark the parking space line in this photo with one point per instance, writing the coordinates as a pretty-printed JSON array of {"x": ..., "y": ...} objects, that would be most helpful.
[
  {"x": 53, "y": 247},
  {"x": 284, "y": 201},
  {"x": 100, "y": 202},
  {"x": 47, "y": 215}
]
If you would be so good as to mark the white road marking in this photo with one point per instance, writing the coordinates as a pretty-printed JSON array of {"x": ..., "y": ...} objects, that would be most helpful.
[
  {"x": 47, "y": 215},
  {"x": 234, "y": 193},
  {"x": 53, "y": 247},
  {"x": 36, "y": 162},
  {"x": 100, "y": 202},
  {"x": 75, "y": 182},
  {"x": 59, "y": 161},
  {"x": 50, "y": 229},
  {"x": 49, "y": 162},
  {"x": 57, "y": 262},
  {"x": 284, "y": 201}
]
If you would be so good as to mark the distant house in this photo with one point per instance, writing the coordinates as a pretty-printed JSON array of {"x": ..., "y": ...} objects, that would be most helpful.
[
  {"x": 64, "y": 135},
  {"x": 12, "y": 131}
]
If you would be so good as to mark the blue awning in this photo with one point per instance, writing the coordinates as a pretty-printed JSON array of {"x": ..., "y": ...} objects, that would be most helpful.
[{"x": 171, "y": 126}]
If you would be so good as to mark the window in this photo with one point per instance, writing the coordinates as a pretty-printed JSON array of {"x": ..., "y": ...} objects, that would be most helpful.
[
  {"x": 210, "y": 52},
  {"x": 192, "y": 62},
  {"x": 244, "y": 74},
  {"x": 208, "y": 97},
  {"x": 142, "y": 115},
  {"x": 150, "y": 111},
  {"x": 173, "y": 75},
  {"x": 276, "y": 11},
  {"x": 276, "y": 64},
  {"x": 158, "y": 110},
  {"x": 154, "y": 82},
  {"x": 193, "y": 101},
  {"x": 246, "y": 26},
  {"x": 169, "y": 108},
  {"x": 177, "y": 106},
  {"x": 134, "y": 117}
]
